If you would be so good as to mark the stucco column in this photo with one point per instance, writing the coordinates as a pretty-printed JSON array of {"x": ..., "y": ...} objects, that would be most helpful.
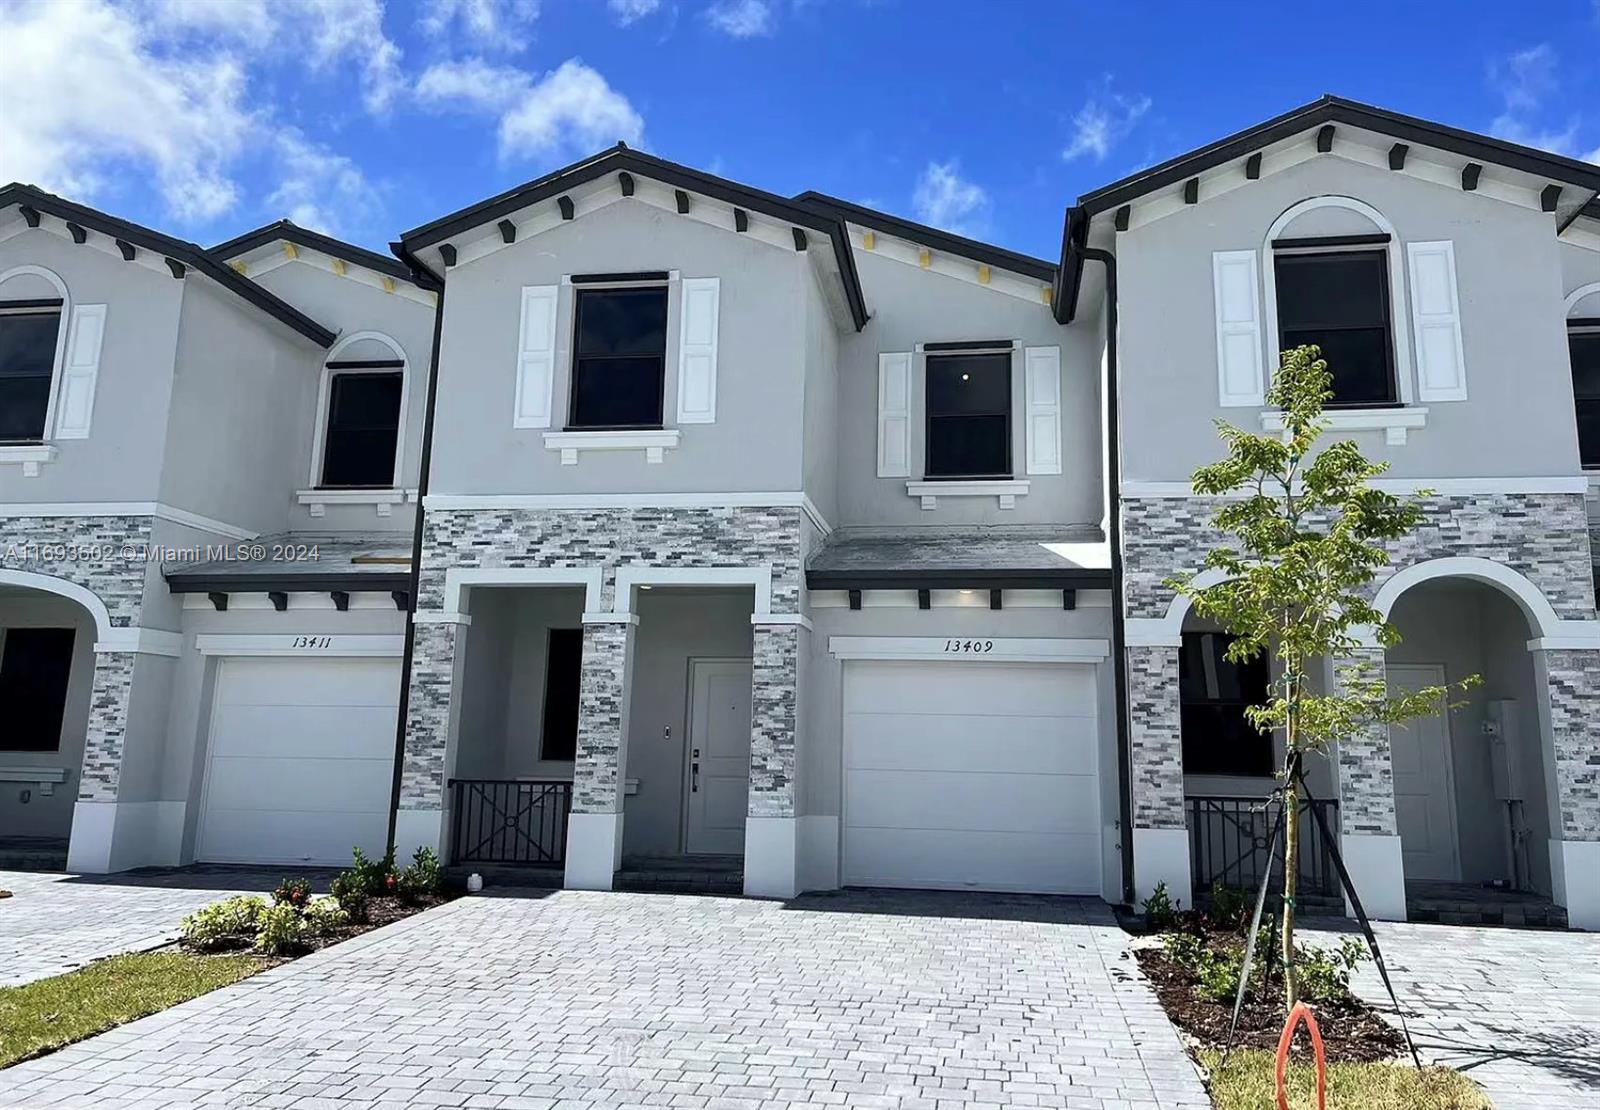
[
  {"x": 1155, "y": 740},
  {"x": 1368, "y": 837},
  {"x": 437, "y": 643},
  {"x": 771, "y": 841},
  {"x": 594, "y": 831},
  {"x": 1570, "y": 717}
]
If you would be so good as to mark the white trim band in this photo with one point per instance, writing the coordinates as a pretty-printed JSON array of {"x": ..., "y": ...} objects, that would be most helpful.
[
  {"x": 383, "y": 500},
  {"x": 982, "y": 649},
  {"x": 312, "y": 646},
  {"x": 799, "y": 619},
  {"x": 29, "y": 456},
  {"x": 439, "y": 616},
  {"x": 1394, "y": 423},
  {"x": 758, "y": 578},
  {"x": 654, "y": 444},
  {"x": 611, "y": 618},
  {"x": 457, "y": 580},
  {"x": 1571, "y": 483},
  {"x": 141, "y": 641},
  {"x": 1006, "y": 491},
  {"x": 127, "y": 508}
]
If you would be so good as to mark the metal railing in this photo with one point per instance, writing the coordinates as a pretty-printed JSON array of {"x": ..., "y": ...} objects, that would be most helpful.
[
  {"x": 1228, "y": 841},
  {"x": 509, "y": 821}
]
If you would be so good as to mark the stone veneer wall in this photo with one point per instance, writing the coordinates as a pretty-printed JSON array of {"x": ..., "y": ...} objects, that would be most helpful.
[
  {"x": 1574, "y": 678},
  {"x": 608, "y": 538},
  {"x": 773, "y": 708},
  {"x": 1545, "y": 537},
  {"x": 104, "y": 555},
  {"x": 602, "y": 717}
]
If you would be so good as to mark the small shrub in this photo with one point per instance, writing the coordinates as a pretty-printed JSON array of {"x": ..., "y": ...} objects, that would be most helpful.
[
  {"x": 1214, "y": 970},
  {"x": 281, "y": 931},
  {"x": 325, "y": 915},
  {"x": 1160, "y": 912},
  {"x": 424, "y": 878},
  {"x": 372, "y": 876},
  {"x": 1230, "y": 906},
  {"x": 226, "y": 924},
  {"x": 352, "y": 898},
  {"x": 1325, "y": 972},
  {"x": 292, "y": 892}
]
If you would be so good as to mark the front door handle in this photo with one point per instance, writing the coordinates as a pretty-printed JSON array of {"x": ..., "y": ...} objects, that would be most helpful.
[{"x": 694, "y": 773}]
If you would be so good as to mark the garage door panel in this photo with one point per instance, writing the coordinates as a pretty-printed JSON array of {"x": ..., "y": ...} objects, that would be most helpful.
[
  {"x": 997, "y": 689},
  {"x": 305, "y": 731},
  {"x": 329, "y": 681},
  {"x": 300, "y": 762},
  {"x": 972, "y": 742},
  {"x": 960, "y": 801},
  {"x": 983, "y": 861},
  {"x": 257, "y": 836}
]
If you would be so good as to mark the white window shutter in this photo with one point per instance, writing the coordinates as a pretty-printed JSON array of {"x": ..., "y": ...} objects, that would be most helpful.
[
  {"x": 1041, "y": 389},
  {"x": 75, "y": 400},
  {"x": 536, "y": 357},
  {"x": 894, "y": 415},
  {"x": 697, "y": 350},
  {"x": 1436, "y": 319},
  {"x": 1234, "y": 275}
]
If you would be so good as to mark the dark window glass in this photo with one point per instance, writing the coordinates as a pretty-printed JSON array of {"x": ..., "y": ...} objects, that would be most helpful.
[
  {"x": 562, "y": 673},
  {"x": 1340, "y": 303},
  {"x": 1213, "y": 694},
  {"x": 620, "y": 358},
  {"x": 34, "y": 668},
  {"x": 363, "y": 426},
  {"x": 1586, "y": 389},
  {"x": 969, "y": 416},
  {"x": 27, "y": 363}
]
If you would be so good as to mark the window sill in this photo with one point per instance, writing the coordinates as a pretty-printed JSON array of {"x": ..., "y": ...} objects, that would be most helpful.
[
  {"x": 1394, "y": 423},
  {"x": 45, "y": 778},
  {"x": 1007, "y": 491},
  {"x": 654, "y": 443},
  {"x": 383, "y": 500},
  {"x": 28, "y": 455}
]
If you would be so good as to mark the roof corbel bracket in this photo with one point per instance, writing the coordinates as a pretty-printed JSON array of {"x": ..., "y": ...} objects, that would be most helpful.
[
  {"x": 1549, "y": 197},
  {"x": 1252, "y": 167},
  {"x": 741, "y": 220},
  {"x": 448, "y": 253},
  {"x": 279, "y": 599},
  {"x": 219, "y": 601},
  {"x": 1124, "y": 214},
  {"x": 341, "y": 600},
  {"x": 128, "y": 250},
  {"x": 30, "y": 214},
  {"x": 79, "y": 235},
  {"x": 1325, "y": 138},
  {"x": 1191, "y": 191},
  {"x": 625, "y": 179},
  {"x": 176, "y": 267},
  {"x": 799, "y": 238},
  {"x": 1469, "y": 176},
  {"x": 683, "y": 201},
  {"x": 508, "y": 231},
  {"x": 566, "y": 206},
  {"x": 402, "y": 599},
  {"x": 1397, "y": 156}
]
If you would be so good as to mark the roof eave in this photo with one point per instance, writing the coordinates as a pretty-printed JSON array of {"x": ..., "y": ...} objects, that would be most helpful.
[{"x": 285, "y": 231}]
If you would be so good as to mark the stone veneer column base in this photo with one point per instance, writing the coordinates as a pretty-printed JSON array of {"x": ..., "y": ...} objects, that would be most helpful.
[
  {"x": 1575, "y": 879},
  {"x": 1378, "y": 872},
  {"x": 1162, "y": 856},
  {"x": 418, "y": 828},
  {"x": 116, "y": 836},
  {"x": 771, "y": 857},
  {"x": 594, "y": 850}
]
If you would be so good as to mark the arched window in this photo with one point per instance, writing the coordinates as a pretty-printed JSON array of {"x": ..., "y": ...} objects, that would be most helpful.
[
  {"x": 361, "y": 413},
  {"x": 32, "y": 304}
]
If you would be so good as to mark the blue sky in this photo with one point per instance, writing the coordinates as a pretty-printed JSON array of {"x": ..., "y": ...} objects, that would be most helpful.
[{"x": 363, "y": 118}]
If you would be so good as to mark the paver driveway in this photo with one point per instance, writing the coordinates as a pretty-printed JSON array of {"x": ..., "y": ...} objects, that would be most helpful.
[
  {"x": 582, "y": 999},
  {"x": 55, "y": 922},
  {"x": 1518, "y": 1010}
]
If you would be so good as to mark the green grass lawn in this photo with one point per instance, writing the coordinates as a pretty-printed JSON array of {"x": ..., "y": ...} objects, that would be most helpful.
[
  {"x": 42, "y": 1016},
  {"x": 1247, "y": 1084}
]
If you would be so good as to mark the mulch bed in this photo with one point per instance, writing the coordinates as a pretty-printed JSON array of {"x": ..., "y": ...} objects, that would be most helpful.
[
  {"x": 1351, "y": 1030},
  {"x": 381, "y": 911}
]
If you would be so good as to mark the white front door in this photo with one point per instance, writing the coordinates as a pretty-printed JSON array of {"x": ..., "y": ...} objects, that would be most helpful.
[
  {"x": 971, "y": 776},
  {"x": 301, "y": 760},
  {"x": 719, "y": 756},
  {"x": 1424, "y": 782}
]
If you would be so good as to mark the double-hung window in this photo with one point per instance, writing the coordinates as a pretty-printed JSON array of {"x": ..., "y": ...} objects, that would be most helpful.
[
  {"x": 1583, "y": 339},
  {"x": 35, "y": 666},
  {"x": 28, "y": 331},
  {"x": 1213, "y": 693},
  {"x": 619, "y": 357},
  {"x": 968, "y": 414},
  {"x": 1337, "y": 298},
  {"x": 363, "y": 429}
]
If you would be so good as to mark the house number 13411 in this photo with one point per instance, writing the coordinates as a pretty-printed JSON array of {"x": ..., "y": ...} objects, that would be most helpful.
[
  {"x": 968, "y": 647},
  {"x": 313, "y": 642}
]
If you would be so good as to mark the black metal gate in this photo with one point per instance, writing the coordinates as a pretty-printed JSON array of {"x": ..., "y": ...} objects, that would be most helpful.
[{"x": 509, "y": 821}]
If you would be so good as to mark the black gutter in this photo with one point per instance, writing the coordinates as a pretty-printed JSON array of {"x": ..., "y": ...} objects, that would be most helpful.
[
  {"x": 998, "y": 257},
  {"x": 1333, "y": 109},
  {"x": 290, "y": 232},
  {"x": 943, "y": 578},
  {"x": 415, "y": 587},
  {"x": 621, "y": 159},
  {"x": 1069, "y": 275},
  {"x": 1119, "y": 622},
  {"x": 191, "y": 254},
  {"x": 262, "y": 581},
  {"x": 1590, "y": 211}
]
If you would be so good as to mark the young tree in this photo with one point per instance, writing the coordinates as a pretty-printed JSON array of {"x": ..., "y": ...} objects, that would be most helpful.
[{"x": 1308, "y": 536}]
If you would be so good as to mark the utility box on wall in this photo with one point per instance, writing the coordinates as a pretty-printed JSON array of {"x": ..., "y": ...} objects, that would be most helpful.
[{"x": 1502, "y": 726}]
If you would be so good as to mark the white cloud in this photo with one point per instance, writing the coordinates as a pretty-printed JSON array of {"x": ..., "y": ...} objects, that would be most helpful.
[
  {"x": 1103, "y": 121},
  {"x": 569, "y": 109},
  {"x": 742, "y": 19},
  {"x": 243, "y": 20},
  {"x": 572, "y": 109},
  {"x": 488, "y": 24},
  {"x": 944, "y": 199},
  {"x": 628, "y": 12},
  {"x": 1525, "y": 80},
  {"x": 318, "y": 188},
  {"x": 85, "y": 91},
  {"x": 340, "y": 32}
]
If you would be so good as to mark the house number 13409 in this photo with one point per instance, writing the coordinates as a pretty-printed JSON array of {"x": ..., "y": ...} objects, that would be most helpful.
[{"x": 968, "y": 647}]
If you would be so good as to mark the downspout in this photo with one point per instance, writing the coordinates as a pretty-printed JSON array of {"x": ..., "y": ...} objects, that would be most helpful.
[
  {"x": 1119, "y": 625},
  {"x": 426, "y": 281}
]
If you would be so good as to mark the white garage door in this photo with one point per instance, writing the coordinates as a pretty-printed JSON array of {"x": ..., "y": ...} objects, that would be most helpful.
[
  {"x": 974, "y": 776},
  {"x": 301, "y": 760}
]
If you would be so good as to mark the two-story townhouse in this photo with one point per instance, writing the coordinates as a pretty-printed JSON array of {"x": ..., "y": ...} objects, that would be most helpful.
[
  {"x": 204, "y": 483},
  {"x": 755, "y": 527},
  {"x": 1445, "y": 277}
]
